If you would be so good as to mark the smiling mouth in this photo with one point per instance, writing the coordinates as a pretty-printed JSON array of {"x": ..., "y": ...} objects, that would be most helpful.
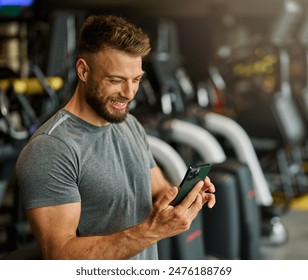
[{"x": 118, "y": 105}]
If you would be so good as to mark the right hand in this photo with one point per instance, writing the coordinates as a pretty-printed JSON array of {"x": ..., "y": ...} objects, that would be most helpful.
[{"x": 166, "y": 220}]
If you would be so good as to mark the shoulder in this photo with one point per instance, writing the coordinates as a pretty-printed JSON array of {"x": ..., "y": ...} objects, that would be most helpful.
[
  {"x": 50, "y": 141},
  {"x": 51, "y": 124}
]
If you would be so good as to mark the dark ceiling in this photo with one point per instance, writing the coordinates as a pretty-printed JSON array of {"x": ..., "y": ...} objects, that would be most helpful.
[{"x": 179, "y": 8}]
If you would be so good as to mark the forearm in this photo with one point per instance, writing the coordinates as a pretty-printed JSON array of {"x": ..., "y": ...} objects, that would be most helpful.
[
  {"x": 55, "y": 228},
  {"x": 160, "y": 185},
  {"x": 121, "y": 245}
]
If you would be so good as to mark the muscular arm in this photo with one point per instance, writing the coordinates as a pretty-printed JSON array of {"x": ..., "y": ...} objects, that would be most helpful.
[
  {"x": 55, "y": 226},
  {"x": 160, "y": 184},
  {"x": 55, "y": 229}
]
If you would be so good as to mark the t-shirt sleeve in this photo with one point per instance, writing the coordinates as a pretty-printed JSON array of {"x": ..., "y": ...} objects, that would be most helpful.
[{"x": 46, "y": 173}]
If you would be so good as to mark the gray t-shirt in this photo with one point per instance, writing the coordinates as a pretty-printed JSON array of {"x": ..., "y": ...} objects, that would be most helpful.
[{"x": 107, "y": 169}]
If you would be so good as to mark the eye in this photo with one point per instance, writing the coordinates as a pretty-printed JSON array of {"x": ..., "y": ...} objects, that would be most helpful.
[
  {"x": 115, "y": 81},
  {"x": 137, "y": 80}
]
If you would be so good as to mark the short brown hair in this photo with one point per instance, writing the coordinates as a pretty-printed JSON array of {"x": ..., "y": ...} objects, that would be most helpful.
[{"x": 101, "y": 31}]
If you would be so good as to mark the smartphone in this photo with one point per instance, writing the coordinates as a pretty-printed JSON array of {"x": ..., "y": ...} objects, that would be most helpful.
[{"x": 193, "y": 175}]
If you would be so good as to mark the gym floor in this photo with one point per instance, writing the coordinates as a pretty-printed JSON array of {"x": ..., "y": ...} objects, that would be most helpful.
[{"x": 295, "y": 221}]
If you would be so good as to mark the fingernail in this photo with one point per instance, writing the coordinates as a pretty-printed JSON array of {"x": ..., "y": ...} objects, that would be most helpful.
[{"x": 173, "y": 190}]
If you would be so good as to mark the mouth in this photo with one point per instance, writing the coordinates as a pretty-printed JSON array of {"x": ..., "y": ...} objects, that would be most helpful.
[{"x": 118, "y": 105}]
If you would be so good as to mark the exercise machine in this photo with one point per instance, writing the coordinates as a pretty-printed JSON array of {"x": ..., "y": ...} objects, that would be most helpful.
[
  {"x": 180, "y": 130},
  {"x": 188, "y": 245}
]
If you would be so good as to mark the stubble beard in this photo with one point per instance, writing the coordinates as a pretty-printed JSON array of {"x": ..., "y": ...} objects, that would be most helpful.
[{"x": 100, "y": 106}]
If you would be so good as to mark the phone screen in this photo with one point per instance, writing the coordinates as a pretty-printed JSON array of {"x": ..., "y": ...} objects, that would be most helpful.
[{"x": 193, "y": 175}]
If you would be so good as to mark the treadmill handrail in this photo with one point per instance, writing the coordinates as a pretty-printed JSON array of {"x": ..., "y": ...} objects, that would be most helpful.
[
  {"x": 172, "y": 163},
  {"x": 199, "y": 139},
  {"x": 244, "y": 150}
]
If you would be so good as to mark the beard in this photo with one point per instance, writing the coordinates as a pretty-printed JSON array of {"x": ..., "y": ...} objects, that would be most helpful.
[{"x": 100, "y": 105}]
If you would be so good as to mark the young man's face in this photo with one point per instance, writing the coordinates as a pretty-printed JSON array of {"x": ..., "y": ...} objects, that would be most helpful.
[{"x": 112, "y": 83}]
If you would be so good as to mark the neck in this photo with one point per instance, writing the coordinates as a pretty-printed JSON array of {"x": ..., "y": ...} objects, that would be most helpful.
[{"x": 79, "y": 107}]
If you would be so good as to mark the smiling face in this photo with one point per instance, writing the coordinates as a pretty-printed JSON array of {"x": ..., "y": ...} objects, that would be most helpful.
[{"x": 111, "y": 81}]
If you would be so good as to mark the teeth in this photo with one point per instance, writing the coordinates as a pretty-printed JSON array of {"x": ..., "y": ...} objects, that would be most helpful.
[{"x": 119, "y": 103}]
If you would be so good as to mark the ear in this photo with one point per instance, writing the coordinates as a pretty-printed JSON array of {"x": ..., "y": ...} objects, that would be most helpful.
[{"x": 82, "y": 69}]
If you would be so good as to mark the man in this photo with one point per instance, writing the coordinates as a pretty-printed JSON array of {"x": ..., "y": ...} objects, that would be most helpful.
[{"x": 89, "y": 184}]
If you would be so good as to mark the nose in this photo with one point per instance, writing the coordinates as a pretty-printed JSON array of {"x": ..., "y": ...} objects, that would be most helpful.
[{"x": 130, "y": 88}]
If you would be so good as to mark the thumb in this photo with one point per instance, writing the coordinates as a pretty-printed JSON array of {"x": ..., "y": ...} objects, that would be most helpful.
[{"x": 170, "y": 195}]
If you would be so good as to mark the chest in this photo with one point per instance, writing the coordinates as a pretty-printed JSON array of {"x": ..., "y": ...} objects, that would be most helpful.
[{"x": 114, "y": 169}]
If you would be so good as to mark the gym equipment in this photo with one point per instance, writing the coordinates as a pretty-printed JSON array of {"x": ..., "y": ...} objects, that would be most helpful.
[
  {"x": 199, "y": 139},
  {"x": 221, "y": 224},
  {"x": 264, "y": 105},
  {"x": 21, "y": 114},
  {"x": 187, "y": 245},
  {"x": 195, "y": 137},
  {"x": 250, "y": 225},
  {"x": 168, "y": 158},
  {"x": 208, "y": 149},
  {"x": 31, "y": 85},
  {"x": 221, "y": 125},
  {"x": 302, "y": 96},
  {"x": 182, "y": 130},
  {"x": 244, "y": 150},
  {"x": 280, "y": 114}
]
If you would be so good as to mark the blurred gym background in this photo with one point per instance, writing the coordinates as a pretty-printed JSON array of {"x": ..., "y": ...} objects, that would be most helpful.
[{"x": 226, "y": 83}]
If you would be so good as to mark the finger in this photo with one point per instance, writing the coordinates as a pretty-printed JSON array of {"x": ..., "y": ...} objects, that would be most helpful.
[
  {"x": 210, "y": 199},
  {"x": 208, "y": 185},
  {"x": 168, "y": 197},
  {"x": 192, "y": 195}
]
